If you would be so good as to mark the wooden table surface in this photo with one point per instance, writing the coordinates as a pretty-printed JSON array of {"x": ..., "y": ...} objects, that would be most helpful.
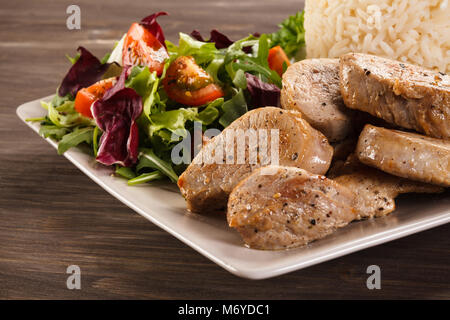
[{"x": 53, "y": 216}]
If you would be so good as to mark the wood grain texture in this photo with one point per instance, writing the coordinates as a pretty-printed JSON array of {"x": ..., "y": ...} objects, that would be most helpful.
[{"x": 52, "y": 216}]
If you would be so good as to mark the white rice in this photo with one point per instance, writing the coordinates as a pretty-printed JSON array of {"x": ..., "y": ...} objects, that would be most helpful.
[{"x": 415, "y": 31}]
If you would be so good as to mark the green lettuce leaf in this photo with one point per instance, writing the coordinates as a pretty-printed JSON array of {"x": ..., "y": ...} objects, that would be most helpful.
[
  {"x": 125, "y": 172},
  {"x": 173, "y": 120},
  {"x": 148, "y": 159},
  {"x": 210, "y": 113},
  {"x": 52, "y": 131},
  {"x": 233, "y": 109},
  {"x": 239, "y": 80},
  {"x": 74, "y": 138},
  {"x": 291, "y": 35},
  {"x": 146, "y": 83},
  {"x": 203, "y": 52},
  {"x": 62, "y": 113},
  {"x": 146, "y": 177},
  {"x": 236, "y": 59}
]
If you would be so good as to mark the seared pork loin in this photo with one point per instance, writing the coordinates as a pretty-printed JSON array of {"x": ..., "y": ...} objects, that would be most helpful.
[
  {"x": 402, "y": 94},
  {"x": 405, "y": 154},
  {"x": 208, "y": 180},
  {"x": 283, "y": 207},
  {"x": 375, "y": 190},
  {"x": 313, "y": 88}
]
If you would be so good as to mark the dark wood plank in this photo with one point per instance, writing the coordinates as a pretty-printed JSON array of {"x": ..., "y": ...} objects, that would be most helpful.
[{"x": 53, "y": 216}]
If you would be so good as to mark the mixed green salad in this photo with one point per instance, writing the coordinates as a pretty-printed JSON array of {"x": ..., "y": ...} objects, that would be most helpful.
[{"x": 133, "y": 106}]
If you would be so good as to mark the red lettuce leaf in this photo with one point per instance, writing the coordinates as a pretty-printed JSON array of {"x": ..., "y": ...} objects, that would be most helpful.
[
  {"x": 120, "y": 84},
  {"x": 197, "y": 35},
  {"x": 220, "y": 40},
  {"x": 116, "y": 114},
  {"x": 151, "y": 25},
  {"x": 85, "y": 71},
  {"x": 262, "y": 93}
]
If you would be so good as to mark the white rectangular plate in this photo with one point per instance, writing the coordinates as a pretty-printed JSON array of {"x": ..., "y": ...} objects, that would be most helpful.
[{"x": 163, "y": 205}]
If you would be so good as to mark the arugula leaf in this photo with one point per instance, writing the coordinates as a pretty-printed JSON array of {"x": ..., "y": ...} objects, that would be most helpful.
[
  {"x": 125, "y": 172},
  {"x": 57, "y": 100},
  {"x": 74, "y": 59},
  {"x": 105, "y": 58},
  {"x": 263, "y": 51},
  {"x": 146, "y": 177},
  {"x": 74, "y": 138},
  {"x": 52, "y": 131},
  {"x": 233, "y": 109},
  {"x": 65, "y": 115},
  {"x": 240, "y": 80},
  {"x": 95, "y": 140},
  {"x": 291, "y": 35},
  {"x": 148, "y": 159},
  {"x": 236, "y": 52},
  {"x": 237, "y": 59}
]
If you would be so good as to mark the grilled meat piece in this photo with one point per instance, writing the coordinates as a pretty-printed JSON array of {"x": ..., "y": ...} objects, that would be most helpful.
[
  {"x": 404, "y": 154},
  {"x": 207, "y": 182},
  {"x": 402, "y": 94},
  {"x": 376, "y": 191},
  {"x": 313, "y": 88},
  {"x": 283, "y": 207}
]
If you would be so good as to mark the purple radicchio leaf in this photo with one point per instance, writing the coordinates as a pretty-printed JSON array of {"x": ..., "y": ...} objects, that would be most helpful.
[
  {"x": 220, "y": 40},
  {"x": 116, "y": 114},
  {"x": 197, "y": 35},
  {"x": 262, "y": 93},
  {"x": 120, "y": 83},
  {"x": 85, "y": 71},
  {"x": 151, "y": 25}
]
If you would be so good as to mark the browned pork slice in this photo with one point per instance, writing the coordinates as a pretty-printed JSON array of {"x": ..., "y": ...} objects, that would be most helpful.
[
  {"x": 219, "y": 166},
  {"x": 402, "y": 94},
  {"x": 312, "y": 87},
  {"x": 404, "y": 154},
  {"x": 283, "y": 207},
  {"x": 375, "y": 190}
]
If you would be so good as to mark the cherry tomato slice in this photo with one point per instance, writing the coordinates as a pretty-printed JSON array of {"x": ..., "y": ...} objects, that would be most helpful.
[
  {"x": 187, "y": 83},
  {"x": 276, "y": 58},
  {"x": 141, "y": 48},
  {"x": 86, "y": 96}
]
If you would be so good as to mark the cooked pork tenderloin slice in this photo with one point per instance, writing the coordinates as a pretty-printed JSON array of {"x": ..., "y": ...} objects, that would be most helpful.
[
  {"x": 283, "y": 207},
  {"x": 375, "y": 190},
  {"x": 313, "y": 88},
  {"x": 402, "y": 94},
  {"x": 208, "y": 180},
  {"x": 405, "y": 154}
]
